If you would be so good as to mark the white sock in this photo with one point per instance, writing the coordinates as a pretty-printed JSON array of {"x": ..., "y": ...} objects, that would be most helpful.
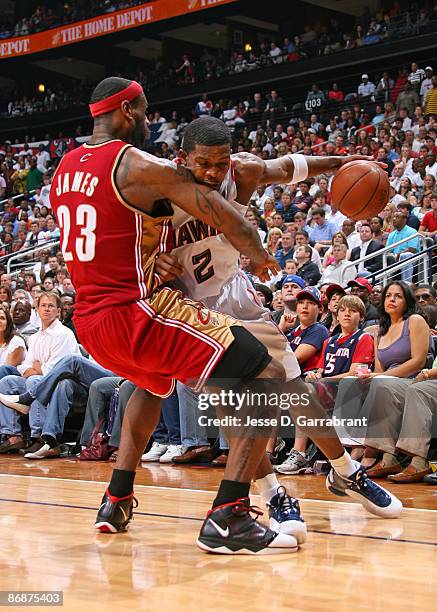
[
  {"x": 267, "y": 487},
  {"x": 344, "y": 465}
]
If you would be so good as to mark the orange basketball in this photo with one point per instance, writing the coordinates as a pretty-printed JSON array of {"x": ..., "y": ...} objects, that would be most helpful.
[{"x": 360, "y": 189}]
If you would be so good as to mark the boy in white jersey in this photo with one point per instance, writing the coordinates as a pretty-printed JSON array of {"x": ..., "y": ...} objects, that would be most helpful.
[{"x": 206, "y": 269}]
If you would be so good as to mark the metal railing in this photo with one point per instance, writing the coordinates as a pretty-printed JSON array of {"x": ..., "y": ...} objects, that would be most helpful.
[
  {"x": 387, "y": 270},
  {"x": 20, "y": 254},
  {"x": 29, "y": 250},
  {"x": 422, "y": 275},
  {"x": 15, "y": 197}
]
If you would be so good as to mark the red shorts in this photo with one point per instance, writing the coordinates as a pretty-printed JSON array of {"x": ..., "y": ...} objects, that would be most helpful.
[{"x": 155, "y": 341}]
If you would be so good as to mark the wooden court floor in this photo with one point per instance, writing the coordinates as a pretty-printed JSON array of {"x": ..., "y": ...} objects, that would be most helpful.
[{"x": 351, "y": 561}]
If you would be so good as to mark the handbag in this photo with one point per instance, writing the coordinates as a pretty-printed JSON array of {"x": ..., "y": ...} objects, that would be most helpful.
[{"x": 98, "y": 448}]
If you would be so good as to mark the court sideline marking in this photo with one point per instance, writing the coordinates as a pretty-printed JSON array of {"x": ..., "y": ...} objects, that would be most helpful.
[
  {"x": 305, "y": 499},
  {"x": 193, "y": 518}
]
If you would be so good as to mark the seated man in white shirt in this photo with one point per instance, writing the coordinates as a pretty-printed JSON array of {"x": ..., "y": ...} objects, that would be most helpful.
[
  {"x": 431, "y": 167},
  {"x": 352, "y": 236},
  {"x": 396, "y": 176},
  {"x": 338, "y": 272},
  {"x": 35, "y": 236},
  {"x": 302, "y": 239},
  {"x": 42, "y": 157},
  {"x": 46, "y": 348},
  {"x": 336, "y": 218}
]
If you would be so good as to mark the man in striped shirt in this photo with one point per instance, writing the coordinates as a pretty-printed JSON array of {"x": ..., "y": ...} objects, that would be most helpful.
[{"x": 416, "y": 76}]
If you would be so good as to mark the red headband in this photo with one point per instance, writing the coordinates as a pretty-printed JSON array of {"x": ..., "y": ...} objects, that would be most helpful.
[{"x": 112, "y": 102}]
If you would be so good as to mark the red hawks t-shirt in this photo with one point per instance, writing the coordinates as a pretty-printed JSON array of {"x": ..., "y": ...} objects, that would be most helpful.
[{"x": 429, "y": 222}]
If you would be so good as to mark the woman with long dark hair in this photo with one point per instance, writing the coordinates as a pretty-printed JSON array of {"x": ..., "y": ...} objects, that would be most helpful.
[
  {"x": 406, "y": 188},
  {"x": 401, "y": 348},
  {"x": 12, "y": 346},
  {"x": 5, "y": 295}
]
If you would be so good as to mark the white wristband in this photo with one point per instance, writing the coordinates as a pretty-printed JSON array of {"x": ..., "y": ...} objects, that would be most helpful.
[{"x": 300, "y": 167}]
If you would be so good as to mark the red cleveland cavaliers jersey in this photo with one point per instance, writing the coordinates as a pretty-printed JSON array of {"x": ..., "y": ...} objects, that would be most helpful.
[{"x": 109, "y": 247}]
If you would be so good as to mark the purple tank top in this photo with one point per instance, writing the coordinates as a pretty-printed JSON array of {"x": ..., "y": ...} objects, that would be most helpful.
[{"x": 397, "y": 352}]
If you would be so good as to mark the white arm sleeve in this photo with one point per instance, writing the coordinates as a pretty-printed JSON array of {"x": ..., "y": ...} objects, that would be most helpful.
[{"x": 300, "y": 168}]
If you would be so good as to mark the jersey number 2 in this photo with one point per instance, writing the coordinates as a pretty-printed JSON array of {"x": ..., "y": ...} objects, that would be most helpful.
[
  {"x": 203, "y": 272},
  {"x": 86, "y": 220}
]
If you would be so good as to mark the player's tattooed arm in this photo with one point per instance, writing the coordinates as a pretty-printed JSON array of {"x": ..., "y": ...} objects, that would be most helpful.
[
  {"x": 179, "y": 186},
  {"x": 184, "y": 173},
  {"x": 204, "y": 204},
  {"x": 148, "y": 179}
]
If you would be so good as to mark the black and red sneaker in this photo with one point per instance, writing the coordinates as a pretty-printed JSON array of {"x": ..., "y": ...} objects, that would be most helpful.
[
  {"x": 115, "y": 513},
  {"x": 231, "y": 530}
]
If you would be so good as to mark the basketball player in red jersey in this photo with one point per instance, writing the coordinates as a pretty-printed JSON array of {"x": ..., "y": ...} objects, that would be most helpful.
[{"x": 111, "y": 202}]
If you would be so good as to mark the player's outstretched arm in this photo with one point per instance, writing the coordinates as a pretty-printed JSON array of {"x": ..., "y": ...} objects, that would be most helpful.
[
  {"x": 143, "y": 179},
  {"x": 281, "y": 170}
]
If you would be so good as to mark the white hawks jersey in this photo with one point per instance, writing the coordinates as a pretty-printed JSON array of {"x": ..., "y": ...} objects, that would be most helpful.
[
  {"x": 208, "y": 258},
  {"x": 213, "y": 277}
]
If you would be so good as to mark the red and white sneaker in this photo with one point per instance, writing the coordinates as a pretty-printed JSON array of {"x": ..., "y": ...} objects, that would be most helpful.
[{"x": 115, "y": 513}]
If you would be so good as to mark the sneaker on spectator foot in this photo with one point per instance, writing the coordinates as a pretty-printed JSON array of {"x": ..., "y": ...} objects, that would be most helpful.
[
  {"x": 115, "y": 513},
  {"x": 294, "y": 464},
  {"x": 231, "y": 530},
  {"x": 173, "y": 450},
  {"x": 155, "y": 452},
  {"x": 279, "y": 453},
  {"x": 359, "y": 487},
  {"x": 285, "y": 517}
]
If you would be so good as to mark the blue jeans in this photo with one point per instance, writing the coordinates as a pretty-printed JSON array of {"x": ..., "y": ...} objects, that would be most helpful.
[
  {"x": 55, "y": 393},
  {"x": 432, "y": 258},
  {"x": 408, "y": 268},
  {"x": 9, "y": 419},
  {"x": 8, "y": 370},
  {"x": 193, "y": 434},
  {"x": 67, "y": 384},
  {"x": 168, "y": 430}
]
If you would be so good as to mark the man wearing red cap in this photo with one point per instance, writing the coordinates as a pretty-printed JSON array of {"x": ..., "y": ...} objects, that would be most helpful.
[{"x": 362, "y": 288}]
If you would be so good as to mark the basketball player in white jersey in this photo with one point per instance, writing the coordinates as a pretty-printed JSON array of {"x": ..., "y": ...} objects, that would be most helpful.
[{"x": 206, "y": 267}]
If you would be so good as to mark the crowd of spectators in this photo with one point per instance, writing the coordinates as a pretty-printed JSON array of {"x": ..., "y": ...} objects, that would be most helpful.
[
  {"x": 45, "y": 17},
  {"x": 398, "y": 21},
  {"x": 54, "y": 99},
  {"x": 317, "y": 39},
  {"x": 319, "y": 299}
]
